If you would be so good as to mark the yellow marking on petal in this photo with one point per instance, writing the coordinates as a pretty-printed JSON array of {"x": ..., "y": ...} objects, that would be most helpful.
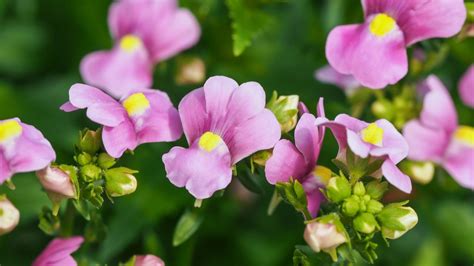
[
  {"x": 372, "y": 134},
  {"x": 209, "y": 141},
  {"x": 9, "y": 130},
  {"x": 382, "y": 24},
  {"x": 136, "y": 104},
  {"x": 465, "y": 134},
  {"x": 323, "y": 174},
  {"x": 130, "y": 43}
]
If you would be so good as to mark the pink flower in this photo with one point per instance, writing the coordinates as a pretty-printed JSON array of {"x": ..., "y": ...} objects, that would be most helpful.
[
  {"x": 148, "y": 260},
  {"x": 378, "y": 141},
  {"x": 56, "y": 181},
  {"x": 299, "y": 160},
  {"x": 146, "y": 32},
  {"x": 329, "y": 75},
  {"x": 9, "y": 216},
  {"x": 22, "y": 149},
  {"x": 375, "y": 52},
  {"x": 141, "y": 116},
  {"x": 223, "y": 123},
  {"x": 437, "y": 137},
  {"x": 466, "y": 87},
  {"x": 58, "y": 252}
]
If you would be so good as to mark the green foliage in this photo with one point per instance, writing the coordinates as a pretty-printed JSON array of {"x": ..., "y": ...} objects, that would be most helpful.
[{"x": 187, "y": 225}]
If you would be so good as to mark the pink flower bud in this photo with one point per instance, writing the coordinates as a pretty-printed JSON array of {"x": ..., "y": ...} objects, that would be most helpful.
[
  {"x": 323, "y": 236},
  {"x": 148, "y": 260},
  {"x": 55, "y": 180},
  {"x": 9, "y": 216}
]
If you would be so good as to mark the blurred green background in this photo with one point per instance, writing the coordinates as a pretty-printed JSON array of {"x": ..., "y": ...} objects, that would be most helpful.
[{"x": 41, "y": 45}]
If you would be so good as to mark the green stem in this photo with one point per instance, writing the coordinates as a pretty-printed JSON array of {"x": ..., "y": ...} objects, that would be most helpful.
[{"x": 67, "y": 223}]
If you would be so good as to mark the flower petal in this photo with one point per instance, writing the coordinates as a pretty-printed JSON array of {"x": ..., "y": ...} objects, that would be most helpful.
[
  {"x": 193, "y": 114},
  {"x": 314, "y": 199},
  {"x": 201, "y": 172},
  {"x": 117, "y": 71},
  {"x": 307, "y": 138},
  {"x": 459, "y": 162},
  {"x": 217, "y": 92},
  {"x": 119, "y": 139},
  {"x": 5, "y": 172},
  {"x": 58, "y": 252},
  {"x": 285, "y": 162},
  {"x": 353, "y": 50},
  {"x": 394, "y": 144},
  {"x": 466, "y": 87},
  {"x": 329, "y": 75},
  {"x": 68, "y": 107},
  {"x": 395, "y": 177},
  {"x": 356, "y": 144},
  {"x": 426, "y": 144}
]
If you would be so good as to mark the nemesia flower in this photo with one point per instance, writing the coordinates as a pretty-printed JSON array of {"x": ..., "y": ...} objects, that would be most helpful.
[
  {"x": 298, "y": 161},
  {"x": 437, "y": 137},
  {"x": 9, "y": 216},
  {"x": 148, "y": 260},
  {"x": 141, "y": 116},
  {"x": 223, "y": 123},
  {"x": 58, "y": 252},
  {"x": 377, "y": 141},
  {"x": 22, "y": 149},
  {"x": 146, "y": 32},
  {"x": 375, "y": 52},
  {"x": 329, "y": 75},
  {"x": 466, "y": 87}
]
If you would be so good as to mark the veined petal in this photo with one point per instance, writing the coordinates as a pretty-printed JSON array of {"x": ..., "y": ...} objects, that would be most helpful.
[
  {"x": 426, "y": 144},
  {"x": 217, "y": 92},
  {"x": 395, "y": 177},
  {"x": 193, "y": 114},
  {"x": 466, "y": 87},
  {"x": 307, "y": 138},
  {"x": 286, "y": 162}
]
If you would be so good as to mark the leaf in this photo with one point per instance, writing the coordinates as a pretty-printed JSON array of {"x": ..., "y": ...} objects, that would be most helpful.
[
  {"x": 251, "y": 181},
  {"x": 83, "y": 207},
  {"x": 247, "y": 24},
  {"x": 187, "y": 225}
]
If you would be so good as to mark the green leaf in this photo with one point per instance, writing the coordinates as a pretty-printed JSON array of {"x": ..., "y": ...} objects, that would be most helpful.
[
  {"x": 251, "y": 181},
  {"x": 187, "y": 225},
  {"x": 470, "y": 11},
  {"x": 300, "y": 259},
  {"x": 247, "y": 23}
]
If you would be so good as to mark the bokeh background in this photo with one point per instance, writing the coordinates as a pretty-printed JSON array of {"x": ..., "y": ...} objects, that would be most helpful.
[{"x": 41, "y": 45}]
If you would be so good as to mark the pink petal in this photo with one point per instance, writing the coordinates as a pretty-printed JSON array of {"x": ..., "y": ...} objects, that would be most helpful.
[
  {"x": 82, "y": 96},
  {"x": 426, "y": 144},
  {"x": 350, "y": 122},
  {"x": 68, "y": 107},
  {"x": 394, "y": 144},
  {"x": 193, "y": 114},
  {"x": 217, "y": 91},
  {"x": 354, "y": 50},
  {"x": 285, "y": 162},
  {"x": 307, "y": 138},
  {"x": 466, "y": 87},
  {"x": 119, "y": 139},
  {"x": 438, "y": 107},
  {"x": 314, "y": 199},
  {"x": 459, "y": 162},
  {"x": 258, "y": 133},
  {"x": 357, "y": 145},
  {"x": 201, "y": 172},
  {"x": 5, "y": 172},
  {"x": 395, "y": 177},
  {"x": 329, "y": 75},
  {"x": 58, "y": 252},
  {"x": 148, "y": 260},
  {"x": 321, "y": 116},
  {"x": 117, "y": 71},
  {"x": 338, "y": 130}
]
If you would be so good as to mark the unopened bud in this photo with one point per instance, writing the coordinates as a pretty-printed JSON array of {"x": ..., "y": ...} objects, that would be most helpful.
[
  {"x": 83, "y": 158},
  {"x": 190, "y": 71},
  {"x": 365, "y": 223},
  {"x": 359, "y": 189},
  {"x": 376, "y": 189},
  {"x": 396, "y": 220},
  {"x": 350, "y": 207},
  {"x": 57, "y": 181},
  {"x": 338, "y": 189},
  {"x": 324, "y": 236},
  {"x": 90, "y": 141},
  {"x": 285, "y": 109},
  {"x": 105, "y": 161},
  {"x": 261, "y": 157},
  {"x": 90, "y": 173},
  {"x": 374, "y": 206},
  {"x": 120, "y": 181},
  {"x": 9, "y": 215},
  {"x": 382, "y": 108},
  {"x": 420, "y": 172},
  {"x": 148, "y": 260}
]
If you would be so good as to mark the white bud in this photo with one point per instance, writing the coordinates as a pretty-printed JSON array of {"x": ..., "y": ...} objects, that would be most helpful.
[
  {"x": 56, "y": 181},
  {"x": 9, "y": 216},
  {"x": 409, "y": 220},
  {"x": 323, "y": 236}
]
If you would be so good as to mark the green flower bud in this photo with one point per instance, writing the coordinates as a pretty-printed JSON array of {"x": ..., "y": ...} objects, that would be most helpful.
[
  {"x": 376, "y": 189},
  {"x": 420, "y": 172},
  {"x": 83, "y": 158},
  {"x": 365, "y": 223},
  {"x": 338, "y": 189},
  {"x": 89, "y": 141},
  {"x": 120, "y": 181},
  {"x": 105, "y": 161},
  {"x": 90, "y": 173},
  {"x": 261, "y": 157},
  {"x": 396, "y": 220},
  {"x": 93, "y": 194},
  {"x": 350, "y": 207},
  {"x": 382, "y": 108},
  {"x": 359, "y": 189},
  {"x": 285, "y": 109},
  {"x": 374, "y": 206}
]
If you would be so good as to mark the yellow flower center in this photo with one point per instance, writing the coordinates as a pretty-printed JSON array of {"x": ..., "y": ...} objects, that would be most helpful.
[
  {"x": 382, "y": 24},
  {"x": 130, "y": 43},
  {"x": 136, "y": 104},
  {"x": 465, "y": 134},
  {"x": 323, "y": 174},
  {"x": 372, "y": 134},
  {"x": 209, "y": 141},
  {"x": 9, "y": 130}
]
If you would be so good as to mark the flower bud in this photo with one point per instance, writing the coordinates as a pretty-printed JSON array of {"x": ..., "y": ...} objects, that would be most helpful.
[
  {"x": 323, "y": 236},
  {"x": 420, "y": 172},
  {"x": 382, "y": 108},
  {"x": 90, "y": 173},
  {"x": 57, "y": 181},
  {"x": 148, "y": 260},
  {"x": 190, "y": 71},
  {"x": 261, "y": 157},
  {"x": 83, "y": 158},
  {"x": 374, "y": 206},
  {"x": 105, "y": 161},
  {"x": 120, "y": 181},
  {"x": 89, "y": 141},
  {"x": 9, "y": 216},
  {"x": 376, "y": 189},
  {"x": 359, "y": 189},
  {"x": 285, "y": 109},
  {"x": 396, "y": 220},
  {"x": 350, "y": 207},
  {"x": 338, "y": 189},
  {"x": 365, "y": 223}
]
